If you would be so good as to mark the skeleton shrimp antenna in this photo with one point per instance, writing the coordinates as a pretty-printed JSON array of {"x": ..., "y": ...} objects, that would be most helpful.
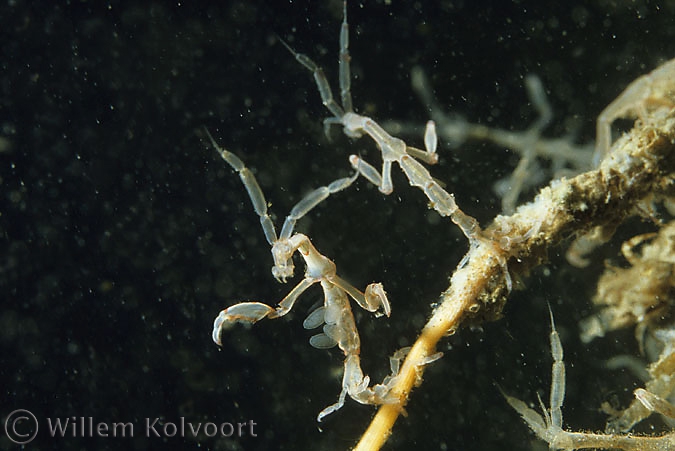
[
  {"x": 321, "y": 80},
  {"x": 251, "y": 184},
  {"x": 304, "y": 206}
]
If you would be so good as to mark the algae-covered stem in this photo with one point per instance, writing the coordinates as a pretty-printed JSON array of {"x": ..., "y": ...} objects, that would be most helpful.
[{"x": 640, "y": 165}]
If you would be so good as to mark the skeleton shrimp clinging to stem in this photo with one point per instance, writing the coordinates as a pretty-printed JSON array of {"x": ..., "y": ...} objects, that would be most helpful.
[
  {"x": 653, "y": 89},
  {"x": 336, "y": 315},
  {"x": 550, "y": 427},
  {"x": 393, "y": 149}
]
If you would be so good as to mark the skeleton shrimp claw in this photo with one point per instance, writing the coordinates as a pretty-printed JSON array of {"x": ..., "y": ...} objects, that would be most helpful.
[
  {"x": 246, "y": 312},
  {"x": 375, "y": 297},
  {"x": 339, "y": 327}
]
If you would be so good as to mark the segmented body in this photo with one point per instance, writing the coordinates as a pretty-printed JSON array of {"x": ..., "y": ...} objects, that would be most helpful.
[{"x": 654, "y": 89}]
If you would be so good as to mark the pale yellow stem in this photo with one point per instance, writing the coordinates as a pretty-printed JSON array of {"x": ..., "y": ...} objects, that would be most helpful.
[
  {"x": 445, "y": 320},
  {"x": 640, "y": 167}
]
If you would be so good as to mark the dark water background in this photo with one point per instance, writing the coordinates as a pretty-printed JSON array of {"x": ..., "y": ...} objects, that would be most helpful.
[{"x": 122, "y": 234}]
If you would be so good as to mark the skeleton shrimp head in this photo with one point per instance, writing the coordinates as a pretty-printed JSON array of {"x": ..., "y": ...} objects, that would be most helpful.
[
  {"x": 282, "y": 252},
  {"x": 318, "y": 266}
]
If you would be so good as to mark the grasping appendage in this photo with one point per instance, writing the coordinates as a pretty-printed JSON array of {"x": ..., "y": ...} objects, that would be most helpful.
[
  {"x": 393, "y": 149},
  {"x": 335, "y": 315}
]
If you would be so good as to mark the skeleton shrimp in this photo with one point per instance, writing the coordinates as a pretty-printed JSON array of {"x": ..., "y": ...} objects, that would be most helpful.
[
  {"x": 655, "y": 88},
  {"x": 393, "y": 149},
  {"x": 339, "y": 327},
  {"x": 549, "y": 428}
]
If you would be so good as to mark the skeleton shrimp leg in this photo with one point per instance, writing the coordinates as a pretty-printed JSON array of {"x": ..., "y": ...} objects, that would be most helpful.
[
  {"x": 549, "y": 427},
  {"x": 655, "y": 403},
  {"x": 336, "y": 314},
  {"x": 393, "y": 149}
]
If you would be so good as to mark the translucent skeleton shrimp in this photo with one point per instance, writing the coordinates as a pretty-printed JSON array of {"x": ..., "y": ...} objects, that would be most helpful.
[
  {"x": 549, "y": 428},
  {"x": 393, "y": 149},
  {"x": 655, "y": 88},
  {"x": 336, "y": 315}
]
